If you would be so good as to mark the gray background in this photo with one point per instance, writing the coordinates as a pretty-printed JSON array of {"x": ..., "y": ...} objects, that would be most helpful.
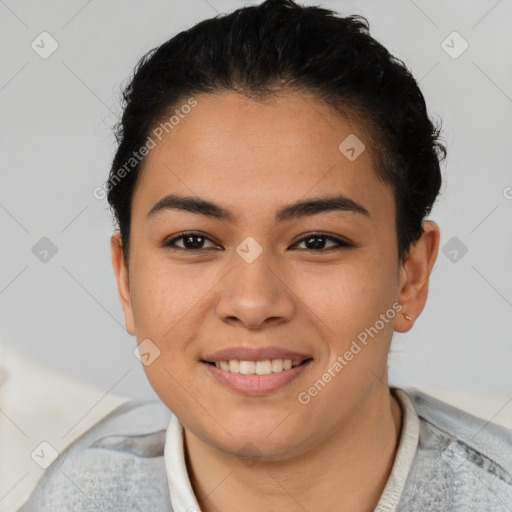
[{"x": 57, "y": 146}]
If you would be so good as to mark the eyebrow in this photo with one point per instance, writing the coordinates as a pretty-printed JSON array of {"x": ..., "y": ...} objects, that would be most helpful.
[{"x": 296, "y": 210}]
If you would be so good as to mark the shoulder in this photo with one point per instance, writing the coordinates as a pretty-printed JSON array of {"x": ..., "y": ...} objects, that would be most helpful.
[
  {"x": 116, "y": 465},
  {"x": 461, "y": 462}
]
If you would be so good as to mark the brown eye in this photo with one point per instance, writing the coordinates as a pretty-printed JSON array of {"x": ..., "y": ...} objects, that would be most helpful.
[
  {"x": 194, "y": 241},
  {"x": 191, "y": 241},
  {"x": 316, "y": 242}
]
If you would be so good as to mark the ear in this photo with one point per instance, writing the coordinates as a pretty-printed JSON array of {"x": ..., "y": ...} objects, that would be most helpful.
[
  {"x": 123, "y": 284},
  {"x": 415, "y": 274}
]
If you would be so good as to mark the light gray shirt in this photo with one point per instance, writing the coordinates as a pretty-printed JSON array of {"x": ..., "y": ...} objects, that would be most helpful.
[{"x": 133, "y": 460}]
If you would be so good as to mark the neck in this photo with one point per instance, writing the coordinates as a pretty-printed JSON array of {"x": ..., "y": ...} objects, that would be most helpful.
[{"x": 356, "y": 461}]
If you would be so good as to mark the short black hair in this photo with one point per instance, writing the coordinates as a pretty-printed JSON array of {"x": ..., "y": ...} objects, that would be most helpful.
[{"x": 277, "y": 46}]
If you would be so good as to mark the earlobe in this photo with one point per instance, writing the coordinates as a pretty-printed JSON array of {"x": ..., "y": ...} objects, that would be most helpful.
[
  {"x": 122, "y": 279},
  {"x": 414, "y": 276}
]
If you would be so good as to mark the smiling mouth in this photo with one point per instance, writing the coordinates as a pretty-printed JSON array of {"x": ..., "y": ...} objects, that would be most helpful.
[{"x": 264, "y": 367}]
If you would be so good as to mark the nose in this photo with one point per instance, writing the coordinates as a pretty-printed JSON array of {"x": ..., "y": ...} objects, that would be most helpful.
[{"x": 256, "y": 295}]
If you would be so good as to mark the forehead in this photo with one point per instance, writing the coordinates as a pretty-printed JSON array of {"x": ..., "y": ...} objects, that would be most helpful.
[{"x": 246, "y": 153}]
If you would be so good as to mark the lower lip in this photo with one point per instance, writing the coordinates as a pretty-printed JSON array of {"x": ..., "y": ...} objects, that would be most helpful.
[{"x": 256, "y": 385}]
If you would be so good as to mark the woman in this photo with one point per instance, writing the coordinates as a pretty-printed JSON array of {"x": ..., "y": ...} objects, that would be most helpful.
[{"x": 274, "y": 173}]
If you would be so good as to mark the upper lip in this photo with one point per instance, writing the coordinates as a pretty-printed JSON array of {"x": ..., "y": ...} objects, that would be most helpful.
[{"x": 254, "y": 354}]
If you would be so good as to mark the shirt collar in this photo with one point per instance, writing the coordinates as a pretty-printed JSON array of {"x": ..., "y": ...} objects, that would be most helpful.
[
  {"x": 406, "y": 450},
  {"x": 183, "y": 498}
]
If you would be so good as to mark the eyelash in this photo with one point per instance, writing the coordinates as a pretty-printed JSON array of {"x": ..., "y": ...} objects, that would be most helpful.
[{"x": 342, "y": 244}]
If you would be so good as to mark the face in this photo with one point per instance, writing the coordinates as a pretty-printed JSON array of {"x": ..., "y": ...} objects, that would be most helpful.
[{"x": 306, "y": 280}]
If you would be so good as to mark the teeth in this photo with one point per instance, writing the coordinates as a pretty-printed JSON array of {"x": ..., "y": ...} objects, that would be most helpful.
[
  {"x": 265, "y": 367},
  {"x": 247, "y": 367},
  {"x": 277, "y": 365}
]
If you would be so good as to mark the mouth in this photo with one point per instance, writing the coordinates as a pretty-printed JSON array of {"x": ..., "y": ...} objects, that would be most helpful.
[
  {"x": 256, "y": 378},
  {"x": 262, "y": 367}
]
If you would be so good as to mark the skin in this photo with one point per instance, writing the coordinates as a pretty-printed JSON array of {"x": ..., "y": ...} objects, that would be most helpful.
[{"x": 253, "y": 158}]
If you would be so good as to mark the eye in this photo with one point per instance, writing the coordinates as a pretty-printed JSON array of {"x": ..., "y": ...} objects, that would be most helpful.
[
  {"x": 316, "y": 242},
  {"x": 192, "y": 241}
]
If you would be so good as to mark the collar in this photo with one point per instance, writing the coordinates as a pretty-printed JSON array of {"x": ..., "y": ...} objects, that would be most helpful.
[
  {"x": 183, "y": 498},
  {"x": 407, "y": 445}
]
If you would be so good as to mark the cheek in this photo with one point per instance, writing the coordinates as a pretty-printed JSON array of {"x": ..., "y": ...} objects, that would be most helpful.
[
  {"x": 349, "y": 299},
  {"x": 161, "y": 294},
  {"x": 341, "y": 294},
  {"x": 170, "y": 304},
  {"x": 166, "y": 301}
]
